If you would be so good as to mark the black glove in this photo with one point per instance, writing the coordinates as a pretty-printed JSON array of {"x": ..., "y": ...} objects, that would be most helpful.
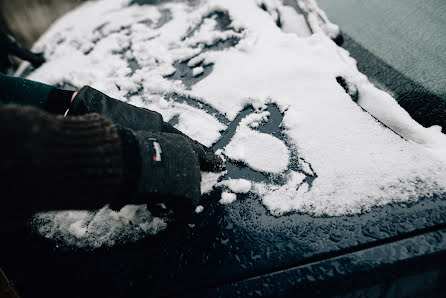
[
  {"x": 90, "y": 100},
  {"x": 170, "y": 169},
  {"x": 209, "y": 162},
  {"x": 36, "y": 59},
  {"x": 160, "y": 169},
  {"x": 11, "y": 47}
]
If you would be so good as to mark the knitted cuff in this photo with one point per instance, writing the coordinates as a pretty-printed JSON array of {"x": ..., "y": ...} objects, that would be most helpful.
[
  {"x": 59, "y": 163},
  {"x": 131, "y": 164}
]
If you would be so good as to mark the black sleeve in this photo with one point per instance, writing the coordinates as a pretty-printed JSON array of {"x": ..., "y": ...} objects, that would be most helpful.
[{"x": 25, "y": 92}]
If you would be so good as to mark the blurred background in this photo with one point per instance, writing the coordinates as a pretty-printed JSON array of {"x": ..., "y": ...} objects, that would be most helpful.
[{"x": 27, "y": 20}]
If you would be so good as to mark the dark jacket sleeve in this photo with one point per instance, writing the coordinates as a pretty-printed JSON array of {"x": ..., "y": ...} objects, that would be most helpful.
[
  {"x": 20, "y": 91},
  {"x": 23, "y": 92}
]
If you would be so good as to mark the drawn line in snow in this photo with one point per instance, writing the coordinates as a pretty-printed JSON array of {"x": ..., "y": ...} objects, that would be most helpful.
[
  {"x": 184, "y": 72},
  {"x": 272, "y": 127}
]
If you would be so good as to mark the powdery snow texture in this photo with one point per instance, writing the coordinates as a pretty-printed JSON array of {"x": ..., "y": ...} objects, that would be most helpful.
[
  {"x": 227, "y": 197},
  {"x": 262, "y": 152},
  {"x": 358, "y": 162},
  {"x": 104, "y": 227},
  {"x": 237, "y": 185},
  {"x": 199, "y": 209}
]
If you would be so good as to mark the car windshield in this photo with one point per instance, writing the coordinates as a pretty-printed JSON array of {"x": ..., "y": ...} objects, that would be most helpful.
[{"x": 409, "y": 35}]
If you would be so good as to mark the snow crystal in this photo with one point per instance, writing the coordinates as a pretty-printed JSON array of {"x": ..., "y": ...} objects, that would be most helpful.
[{"x": 227, "y": 198}]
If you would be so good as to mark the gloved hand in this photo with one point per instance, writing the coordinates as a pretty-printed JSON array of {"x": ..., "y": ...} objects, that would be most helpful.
[
  {"x": 170, "y": 171},
  {"x": 160, "y": 169},
  {"x": 90, "y": 100},
  {"x": 11, "y": 47},
  {"x": 36, "y": 59},
  {"x": 209, "y": 161}
]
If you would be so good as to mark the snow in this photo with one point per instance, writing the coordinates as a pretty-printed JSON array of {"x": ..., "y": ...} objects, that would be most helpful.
[
  {"x": 104, "y": 227},
  {"x": 291, "y": 21},
  {"x": 227, "y": 198},
  {"x": 305, "y": 167},
  {"x": 260, "y": 151},
  {"x": 209, "y": 180},
  {"x": 354, "y": 161},
  {"x": 358, "y": 162},
  {"x": 197, "y": 71},
  {"x": 199, "y": 125},
  {"x": 317, "y": 19},
  {"x": 199, "y": 209},
  {"x": 294, "y": 22},
  {"x": 207, "y": 35},
  {"x": 255, "y": 119},
  {"x": 236, "y": 185},
  {"x": 195, "y": 61}
]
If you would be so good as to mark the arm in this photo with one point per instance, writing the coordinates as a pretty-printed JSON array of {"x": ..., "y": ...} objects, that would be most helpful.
[
  {"x": 85, "y": 162},
  {"x": 14, "y": 90},
  {"x": 14, "y": 48}
]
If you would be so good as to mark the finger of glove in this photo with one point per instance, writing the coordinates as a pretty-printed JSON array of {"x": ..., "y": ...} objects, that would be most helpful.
[
  {"x": 209, "y": 161},
  {"x": 90, "y": 100}
]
